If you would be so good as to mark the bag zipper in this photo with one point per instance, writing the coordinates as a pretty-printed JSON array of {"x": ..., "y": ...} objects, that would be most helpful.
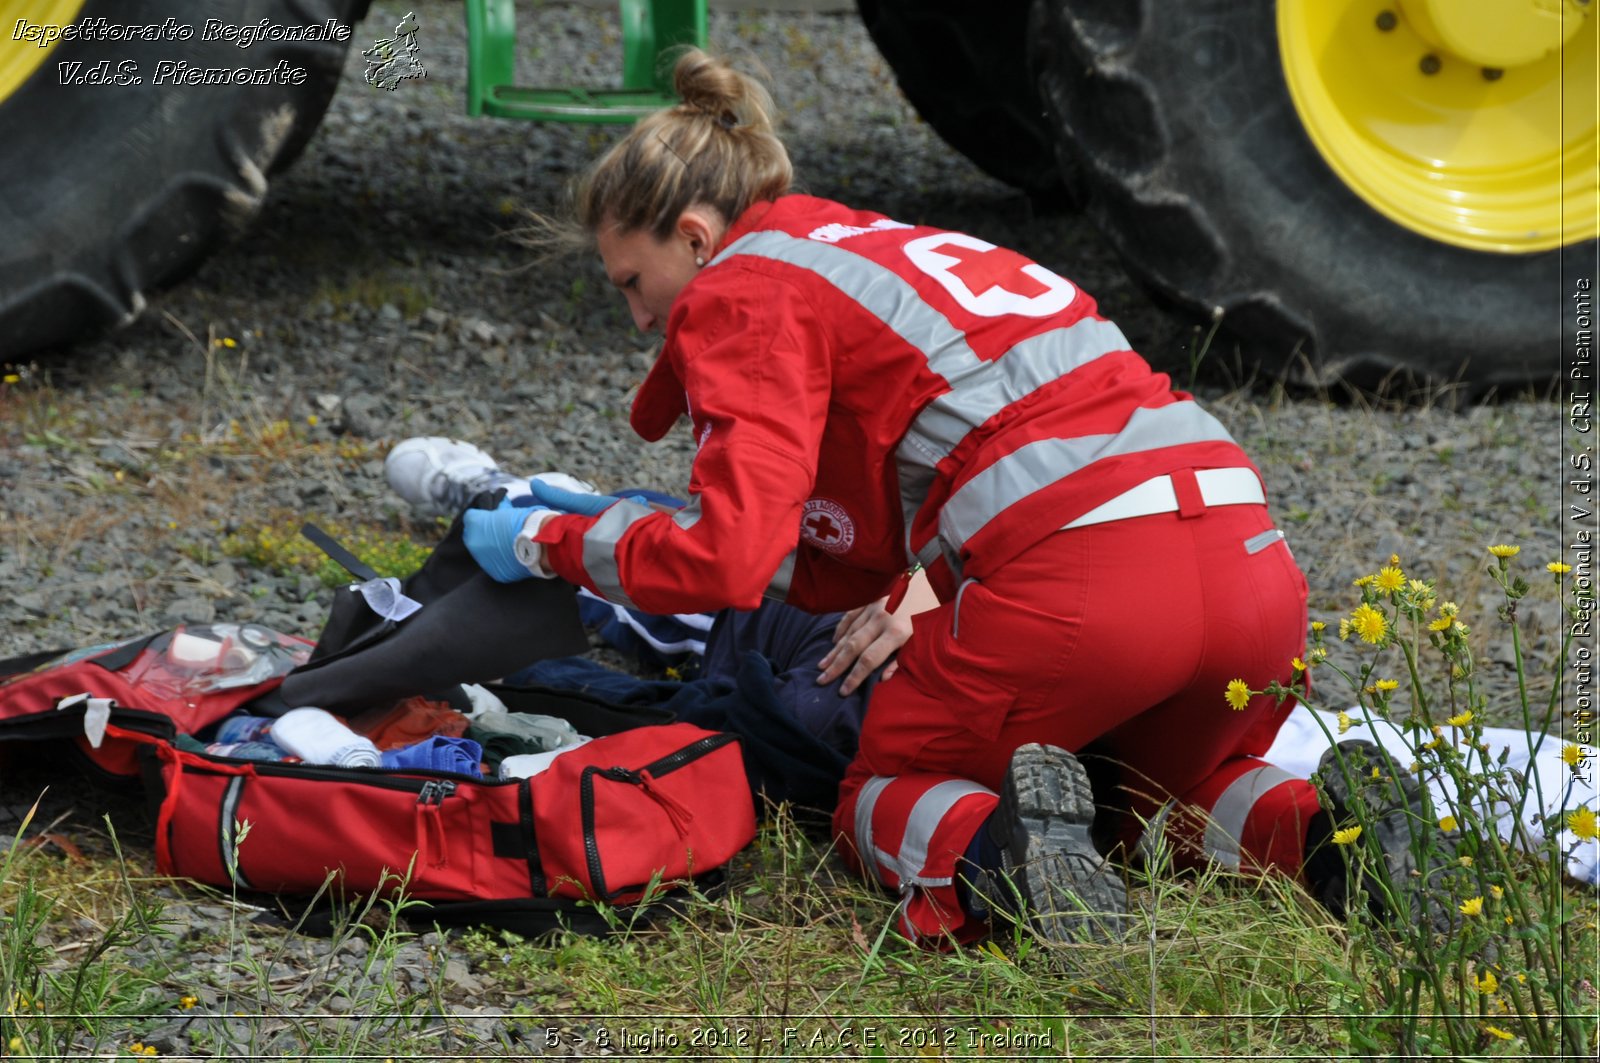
[
  {"x": 430, "y": 822},
  {"x": 637, "y": 777}
]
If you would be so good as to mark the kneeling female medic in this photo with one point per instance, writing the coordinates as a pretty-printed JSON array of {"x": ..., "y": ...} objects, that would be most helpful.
[{"x": 870, "y": 397}]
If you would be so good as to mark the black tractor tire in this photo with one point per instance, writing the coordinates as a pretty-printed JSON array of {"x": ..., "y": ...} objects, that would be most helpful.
[
  {"x": 109, "y": 192},
  {"x": 1196, "y": 167},
  {"x": 963, "y": 66}
]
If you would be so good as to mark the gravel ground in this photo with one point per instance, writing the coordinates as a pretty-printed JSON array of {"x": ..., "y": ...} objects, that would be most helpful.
[{"x": 375, "y": 298}]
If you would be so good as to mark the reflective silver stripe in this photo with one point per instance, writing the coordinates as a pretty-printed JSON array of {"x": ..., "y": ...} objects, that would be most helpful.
[
  {"x": 1226, "y": 825},
  {"x": 1257, "y": 543},
  {"x": 600, "y": 547},
  {"x": 980, "y": 390},
  {"x": 877, "y": 289},
  {"x": 1040, "y": 464},
  {"x": 925, "y": 817},
  {"x": 600, "y": 542},
  {"x": 866, "y": 801},
  {"x": 779, "y": 586},
  {"x": 955, "y": 611},
  {"x": 687, "y": 516}
]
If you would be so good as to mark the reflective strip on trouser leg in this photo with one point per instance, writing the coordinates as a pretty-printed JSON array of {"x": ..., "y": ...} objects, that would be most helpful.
[
  {"x": 1225, "y": 828},
  {"x": 909, "y": 833},
  {"x": 1248, "y": 816}
]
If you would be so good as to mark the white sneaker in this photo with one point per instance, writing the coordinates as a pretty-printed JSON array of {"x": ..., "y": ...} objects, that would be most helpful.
[{"x": 440, "y": 476}]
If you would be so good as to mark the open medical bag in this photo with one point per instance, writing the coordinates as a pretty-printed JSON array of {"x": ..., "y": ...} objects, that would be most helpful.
[{"x": 645, "y": 802}]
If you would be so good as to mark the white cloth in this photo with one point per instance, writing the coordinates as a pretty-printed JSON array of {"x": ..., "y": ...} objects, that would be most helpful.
[
  {"x": 527, "y": 765},
  {"x": 317, "y": 736},
  {"x": 1553, "y": 786},
  {"x": 482, "y": 700}
]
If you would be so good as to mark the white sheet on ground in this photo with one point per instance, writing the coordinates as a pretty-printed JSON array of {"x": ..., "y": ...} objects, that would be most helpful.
[{"x": 1553, "y": 785}]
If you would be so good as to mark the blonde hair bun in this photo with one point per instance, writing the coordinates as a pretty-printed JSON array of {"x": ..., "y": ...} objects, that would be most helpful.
[
  {"x": 716, "y": 149},
  {"x": 711, "y": 86}
]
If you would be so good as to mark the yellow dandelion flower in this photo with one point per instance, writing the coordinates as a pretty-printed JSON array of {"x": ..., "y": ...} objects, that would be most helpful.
[
  {"x": 1238, "y": 694},
  {"x": 1498, "y": 1032},
  {"x": 312, "y": 419},
  {"x": 1510, "y": 921},
  {"x": 1503, "y": 551},
  {"x": 1558, "y": 567},
  {"x": 1442, "y": 624},
  {"x": 1394, "y": 560},
  {"x": 1572, "y": 754},
  {"x": 229, "y": 341},
  {"x": 1581, "y": 822},
  {"x": 1347, "y": 836},
  {"x": 1389, "y": 579},
  {"x": 1317, "y": 625},
  {"x": 1460, "y": 719},
  {"x": 188, "y": 1001},
  {"x": 1344, "y": 628},
  {"x": 1418, "y": 586},
  {"x": 1497, "y": 892},
  {"x": 1318, "y": 655},
  {"x": 1488, "y": 983},
  {"x": 1471, "y": 906},
  {"x": 1449, "y": 609},
  {"x": 1369, "y": 624},
  {"x": 1387, "y": 684},
  {"x": 15, "y": 1044},
  {"x": 1344, "y": 722},
  {"x": 1464, "y": 861},
  {"x": 1447, "y": 823},
  {"x": 1298, "y": 665},
  {"x": 1362, "y": 581}
]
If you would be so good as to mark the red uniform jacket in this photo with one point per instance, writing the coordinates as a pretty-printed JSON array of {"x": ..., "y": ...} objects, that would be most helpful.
[{"x": 867, "y": 395}]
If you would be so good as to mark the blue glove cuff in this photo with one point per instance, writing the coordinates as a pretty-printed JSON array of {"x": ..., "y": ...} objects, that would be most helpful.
[{"x": 490, "y": 536}]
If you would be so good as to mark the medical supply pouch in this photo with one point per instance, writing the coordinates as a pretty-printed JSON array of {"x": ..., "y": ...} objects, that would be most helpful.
[{"x": 180, "y": 680}]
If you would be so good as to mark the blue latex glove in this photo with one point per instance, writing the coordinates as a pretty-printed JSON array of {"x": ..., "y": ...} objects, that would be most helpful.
[
  {"x": 581, "y": 502},
  {"x": 491, "y": 537}
]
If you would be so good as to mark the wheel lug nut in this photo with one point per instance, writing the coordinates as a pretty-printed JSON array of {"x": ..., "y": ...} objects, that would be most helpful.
[
  {"x": 1430, "y": 65},
  {"x": 1387, "y": 20}
]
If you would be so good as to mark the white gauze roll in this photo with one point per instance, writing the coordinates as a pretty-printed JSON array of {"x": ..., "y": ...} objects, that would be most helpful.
[{"x": 316, "y": 736}]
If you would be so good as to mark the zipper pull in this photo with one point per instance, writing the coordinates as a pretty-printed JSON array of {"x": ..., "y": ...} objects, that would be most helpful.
[
  {"x": 680, "y": 816},
  {"x": 901, "y": 586},
  {"x": 434, "y": 791}
]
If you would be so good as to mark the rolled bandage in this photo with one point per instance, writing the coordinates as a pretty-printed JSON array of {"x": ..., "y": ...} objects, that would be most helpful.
[
  {"x": 317, "y": 736},
  {"x": 192, "y": 651}
]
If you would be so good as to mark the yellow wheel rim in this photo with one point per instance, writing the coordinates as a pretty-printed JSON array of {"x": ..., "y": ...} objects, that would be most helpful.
[
  {"x": 20, "y": 58},
  {"x": 1471, "y": 123}
]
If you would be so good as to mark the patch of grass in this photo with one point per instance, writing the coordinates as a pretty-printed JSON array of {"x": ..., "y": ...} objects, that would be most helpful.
[
  {"x": 373, "y": 291},
  {"x": 276, "y": 544}
]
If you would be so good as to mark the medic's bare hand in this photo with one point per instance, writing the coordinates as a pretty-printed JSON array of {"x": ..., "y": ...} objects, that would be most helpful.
[{"x": 864, "y": 640}]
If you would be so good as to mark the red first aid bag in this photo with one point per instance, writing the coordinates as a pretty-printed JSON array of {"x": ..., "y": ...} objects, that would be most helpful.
[
  {"x": 646, "y": 805},
  {"x": 655, "y": 804}
]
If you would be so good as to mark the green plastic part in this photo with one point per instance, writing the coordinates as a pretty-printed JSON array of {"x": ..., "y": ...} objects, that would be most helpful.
[{"x": 650, "y": 29}]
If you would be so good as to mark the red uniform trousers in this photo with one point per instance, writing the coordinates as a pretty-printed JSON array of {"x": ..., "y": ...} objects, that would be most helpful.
[{"x": 1122, "y": 634}]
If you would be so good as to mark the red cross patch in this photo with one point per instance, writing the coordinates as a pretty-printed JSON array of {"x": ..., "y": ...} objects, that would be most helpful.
[{"x": 825, "y": 525}]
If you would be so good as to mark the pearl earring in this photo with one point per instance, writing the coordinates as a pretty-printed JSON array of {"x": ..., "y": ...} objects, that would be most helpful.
[{"x": 699, "y": 261}]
